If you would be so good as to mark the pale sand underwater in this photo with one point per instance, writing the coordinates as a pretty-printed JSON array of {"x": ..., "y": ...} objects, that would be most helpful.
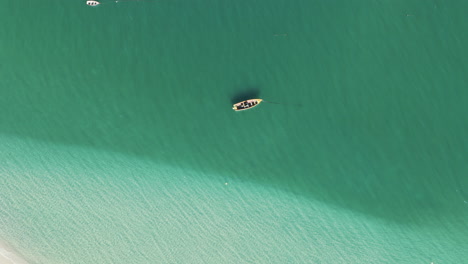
[{"x": 76, "y": 205}]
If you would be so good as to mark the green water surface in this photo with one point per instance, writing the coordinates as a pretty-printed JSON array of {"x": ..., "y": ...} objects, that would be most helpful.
[{"x": 372, "y": 125}]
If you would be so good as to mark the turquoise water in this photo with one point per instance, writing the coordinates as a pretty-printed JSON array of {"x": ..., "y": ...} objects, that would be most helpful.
[{"x": 119, "y": 144}]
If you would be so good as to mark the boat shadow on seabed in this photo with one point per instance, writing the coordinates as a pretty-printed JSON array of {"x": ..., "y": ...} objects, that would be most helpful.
[{"x": 249, "y": 93}]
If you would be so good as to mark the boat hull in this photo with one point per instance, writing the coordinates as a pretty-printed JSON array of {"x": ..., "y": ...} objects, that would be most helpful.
[
  {"x": 246, "y": 105},
  {"x": 92, "y": 3}
]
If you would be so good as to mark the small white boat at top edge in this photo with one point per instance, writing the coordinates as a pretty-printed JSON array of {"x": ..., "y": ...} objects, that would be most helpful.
[{"x": 92, "y": 3}]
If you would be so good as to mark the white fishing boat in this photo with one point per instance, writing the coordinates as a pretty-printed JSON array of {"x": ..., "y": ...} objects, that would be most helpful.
[
  {"x": 247, "y": 104},
  {"x": 92, "y": 3}
]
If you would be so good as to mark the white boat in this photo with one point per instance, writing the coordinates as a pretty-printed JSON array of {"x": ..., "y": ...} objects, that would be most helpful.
[
  {"x": 247, "y": 104},
  {"x": 92, "y": 3}
]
